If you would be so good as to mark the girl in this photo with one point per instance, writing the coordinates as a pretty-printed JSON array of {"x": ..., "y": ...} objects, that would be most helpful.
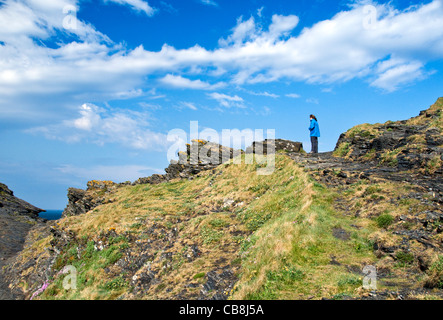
[{"x": 315, "y": 133}]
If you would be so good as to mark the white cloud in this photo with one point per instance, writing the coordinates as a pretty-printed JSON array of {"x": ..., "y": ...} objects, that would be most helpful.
[
  {"x": 260, "y": 11},
  {"x": 264, "y": 94},
  {"x": 338, "y": 49},
  {"x": 22, "y": 20},
  {"x": 264, "y": 112},
  {"x": 89, "y": 118},
  {"x": 313, "y": 100},
  {"x": 137, "y": 5},
  {"x": 121, "y": 173},
  {"x": 395, "y": 73},
  {"x": 245, "y": 30},
  {"x": 293, "y": 95},
  {"x": 85, "y": 65},
  {"x": 97, "y": 125},
  {"x": 282, "y": 25},
  {"x": 189, "y": 105},
  {"x": 209, "y": 2},
  {"x": 227, "y": 101},
  {"x": 184, "y": 83}
]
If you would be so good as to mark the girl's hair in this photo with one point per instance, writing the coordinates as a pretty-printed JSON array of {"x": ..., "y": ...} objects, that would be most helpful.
[{"x": 313, "y": 117}]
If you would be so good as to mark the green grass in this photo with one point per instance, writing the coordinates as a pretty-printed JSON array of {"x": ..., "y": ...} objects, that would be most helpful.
[
  {"x": 435, "y": 274},
  {"x": 288, "y": 255},
  {"x": 89, "y": 264},
  {"x": 384, "y": 220},
  {"x": 342, "y": 150},
  {"x": 280, "y": 240},
  {"x": 404, "y": 258}
]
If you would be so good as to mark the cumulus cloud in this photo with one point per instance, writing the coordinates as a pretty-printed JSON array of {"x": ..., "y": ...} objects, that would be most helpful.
[
  {"x": 188, "y": 105},
  {"x": 137, "y": 5},
  {"x": 264, "y": 94},
  {"x": 209, "y": 2},
  {"x": 97, "y": 125},
  {"x": 394, "y": 73},
  {"x": 184, "y": 83},
  {"x": 293, "y": 95},
  {"x": 114, "y": 173},
  {"x": 245, "y": 30},
  {"x": 227, "y": 101},
  {"x": 85, "y": 65},
  {"x": 338, "y": 49}
]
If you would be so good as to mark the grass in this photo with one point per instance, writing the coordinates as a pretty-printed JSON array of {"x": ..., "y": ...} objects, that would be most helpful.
[
  {"x": 281, "y": 248},
  {"x": 384, "y": 220},
  {"x": 288, "y": 256},
  {"x": 342, "y": 150},
  {"x": 135, "y": 209},
  {"x": 404, "y": 258},
  {"x": 433, "y": 165},
  {"x": 89, "y": 264},
  {"x": 366, "y": 130},
  {"x": 371, "y": 155},
  {"x": 389, "y": 157},
  {"x": 435, "y": 110},
  {"x": 435, "y": 274}
]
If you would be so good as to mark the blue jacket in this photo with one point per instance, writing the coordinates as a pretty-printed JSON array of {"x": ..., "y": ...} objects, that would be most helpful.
[{"x": 314, "y": 128}]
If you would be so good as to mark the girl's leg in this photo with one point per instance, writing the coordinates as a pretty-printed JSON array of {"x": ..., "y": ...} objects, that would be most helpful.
[{"x": 312, "y": 144}]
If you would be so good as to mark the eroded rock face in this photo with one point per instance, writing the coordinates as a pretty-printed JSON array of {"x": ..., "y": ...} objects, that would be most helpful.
[
  {"x": 276, "y": 145},
  {"x": 199, "y": 156},
  {"x": 81, "y": 201},
  {"x": 411, "y": 144},
  {"x": 15, "y": 206},
  {"x": 17, "y": 217},
  {"x": 78, "y": 203}
]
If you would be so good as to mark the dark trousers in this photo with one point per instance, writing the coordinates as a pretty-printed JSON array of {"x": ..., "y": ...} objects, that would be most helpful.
[{"x": 314, "y": 143}]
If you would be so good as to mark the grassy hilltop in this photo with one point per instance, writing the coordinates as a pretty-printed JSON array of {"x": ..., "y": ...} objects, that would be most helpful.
[{"x": 300, "y": 233}]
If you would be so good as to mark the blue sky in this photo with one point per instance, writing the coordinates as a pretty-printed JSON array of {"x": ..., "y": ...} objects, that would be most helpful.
[{"x": 90, "y": 89}]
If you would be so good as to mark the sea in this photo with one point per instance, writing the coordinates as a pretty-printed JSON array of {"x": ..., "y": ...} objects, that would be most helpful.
[{"x": 51, "y": 214}]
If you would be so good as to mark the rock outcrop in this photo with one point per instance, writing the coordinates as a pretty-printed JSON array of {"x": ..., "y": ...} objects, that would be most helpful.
[
  {"x": 17, "y": 217},
  {"x": 199, "y": 156},
  {"x": 275, "y": 145},
  {"x": 414, "y": 144},
  {"x": 202, "y": 155},
  {"x": 11, "y": 205},
  {"x": 81, "y": 201},
  {"x": 390, "y": 170}
]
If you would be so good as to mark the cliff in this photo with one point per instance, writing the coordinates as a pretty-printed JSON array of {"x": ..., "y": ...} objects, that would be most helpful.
[
  {"x": 310, "y": 230},
  {"x": 414, "y": 144},
  {"x": 17, "y": 217}
]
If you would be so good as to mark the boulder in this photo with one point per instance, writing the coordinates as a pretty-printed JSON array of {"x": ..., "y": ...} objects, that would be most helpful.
[{"x": 274, "y": 145}]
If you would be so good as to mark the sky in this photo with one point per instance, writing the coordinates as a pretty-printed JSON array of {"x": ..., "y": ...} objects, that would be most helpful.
[{"x": 92, "y": 89}]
